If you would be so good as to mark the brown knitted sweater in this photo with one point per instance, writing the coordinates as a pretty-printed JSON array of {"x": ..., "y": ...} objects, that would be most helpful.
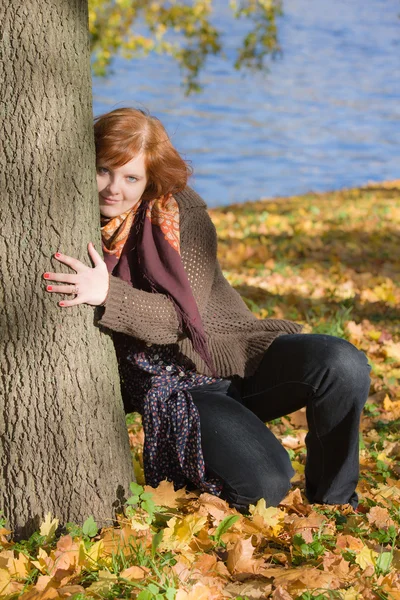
[{"x": 236, "y": 339}]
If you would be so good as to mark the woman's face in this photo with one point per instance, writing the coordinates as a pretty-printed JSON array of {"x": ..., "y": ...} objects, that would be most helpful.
[{"x": 121, "y": 188}]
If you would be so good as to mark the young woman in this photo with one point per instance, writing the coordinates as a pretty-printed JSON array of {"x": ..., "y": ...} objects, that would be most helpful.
[{"x": 203, "y": 371}]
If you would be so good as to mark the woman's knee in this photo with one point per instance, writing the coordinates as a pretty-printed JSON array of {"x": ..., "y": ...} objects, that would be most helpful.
[
  {"x": 346, "y": 368},
  {"x": 273, "y": 487}
]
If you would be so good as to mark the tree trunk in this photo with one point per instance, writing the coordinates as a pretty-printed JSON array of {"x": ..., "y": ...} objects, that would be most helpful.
[{"x": 63, "y": 441}]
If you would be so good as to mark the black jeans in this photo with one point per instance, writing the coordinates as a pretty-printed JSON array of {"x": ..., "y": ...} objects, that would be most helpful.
[{"x": 328, "y": 376}]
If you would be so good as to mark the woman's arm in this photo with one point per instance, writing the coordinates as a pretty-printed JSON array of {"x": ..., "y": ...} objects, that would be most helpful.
[
  {"x": 147, "y": 316},
  {"x": 152, "y": 317}
]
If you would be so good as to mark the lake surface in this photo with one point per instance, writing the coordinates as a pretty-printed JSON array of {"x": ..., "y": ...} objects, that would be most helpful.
[{"x": 326, "y": 116}]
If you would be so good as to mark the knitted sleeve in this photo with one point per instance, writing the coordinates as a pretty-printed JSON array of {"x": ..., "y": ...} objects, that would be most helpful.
[{"x": 152, "y": 317}]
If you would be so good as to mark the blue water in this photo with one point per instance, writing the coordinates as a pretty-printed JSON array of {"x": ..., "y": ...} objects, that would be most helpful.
[{"x": 326, "y": 116}]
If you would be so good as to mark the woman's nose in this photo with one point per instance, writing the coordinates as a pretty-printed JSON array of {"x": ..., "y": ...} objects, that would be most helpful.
[{"x": 113, "y": 186}]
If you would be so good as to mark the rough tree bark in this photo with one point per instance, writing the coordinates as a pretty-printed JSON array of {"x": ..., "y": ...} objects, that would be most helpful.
[{"x": 63, "y": 441}]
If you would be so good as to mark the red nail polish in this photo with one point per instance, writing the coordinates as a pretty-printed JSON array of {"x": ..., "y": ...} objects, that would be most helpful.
[
  {"x": 46, "y": 275},
  {"x": 57, "y": 255},
  {"x": 49, "y": 288},
  {"x": 61, "y": 304}
]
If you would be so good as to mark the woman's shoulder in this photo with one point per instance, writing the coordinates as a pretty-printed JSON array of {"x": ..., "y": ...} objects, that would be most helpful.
[{"x": 188, "y": 198}]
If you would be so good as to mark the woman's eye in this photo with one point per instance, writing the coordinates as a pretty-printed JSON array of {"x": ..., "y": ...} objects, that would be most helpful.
[
  {"x": 131, "y": 178},
  {"x": 102, "y": 170}
]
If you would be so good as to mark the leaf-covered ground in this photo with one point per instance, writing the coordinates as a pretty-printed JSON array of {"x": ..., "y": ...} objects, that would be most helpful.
[{"x": 332, "y": 262}]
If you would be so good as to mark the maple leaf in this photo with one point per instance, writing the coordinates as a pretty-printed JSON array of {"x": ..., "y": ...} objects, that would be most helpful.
[
  {"x": 392, "y": 407},
  {"x": 90, "y": 558},
  {"x": 349, "y": 542},
  {"x": 251, "y": 588},
  {"x": 19, "y": 567},
  {"x": 44, "y": 562},
  {"x": 273, "y": 517},
  {"x": 350, "y": 594},
  {"x": 295, "y": 442},
  {"x": 135, "y": 573},
  {"x": 380, "y": 517},
  {"x": 392, "y": 350},
  {"x": 214, "y": 506},
  {"x": 104, "y": 583},
  {"x": 7, "y": 585},
  {"x": 297, "y": 580},
  {"x": 48, "y": 527},
  {"x": 366, "y": 558},
  {"x": 180, "y": 531},
  {"x": 281, "y": 594},
  {"x": 294, "y": 501},
  {"x": 305, "y": 526},
  {"x": 197, "y": 592},
  {"x": 70, "y": 590},
  {"x": 240, "y": 558},
  {"x": 165, "y": 495}
]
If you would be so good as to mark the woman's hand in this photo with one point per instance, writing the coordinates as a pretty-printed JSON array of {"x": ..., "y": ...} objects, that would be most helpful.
[{"x": 90, "y": 285}]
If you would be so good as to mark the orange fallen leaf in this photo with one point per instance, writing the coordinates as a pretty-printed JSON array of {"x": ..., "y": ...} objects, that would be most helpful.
[
  {"x": 349, "y": 542},
  {"x": 380, "y": 517},
  {"x": 297, "y": 580},
  {"x": 135, "y": 572},
  {"x": 165, "y": 495},
  {"x": 240, "y": 558},
  {"x": 281, "y": 594},
  {"x": 305, "y": 526}
]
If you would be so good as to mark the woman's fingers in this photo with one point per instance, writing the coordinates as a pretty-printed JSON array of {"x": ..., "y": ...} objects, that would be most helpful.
[
  {"x": 74, "y": 302},
  {"x": 89, "y": 284},
  {"x": 64, "y": 277},
  {"x": 75, "y": 264},
  {"x": 63, "y": 289},
  {"x": 94, "y": 255}
]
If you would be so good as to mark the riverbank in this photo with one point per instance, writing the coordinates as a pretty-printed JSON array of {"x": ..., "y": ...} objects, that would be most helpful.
[{"x": 330, "y": 261}]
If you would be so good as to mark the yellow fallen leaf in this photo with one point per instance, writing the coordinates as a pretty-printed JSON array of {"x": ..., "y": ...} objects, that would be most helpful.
[
  {"x": 44, "y": 562},
  {"x": 273, "y": 517},
  {"x": 374, "y": 334},
  {"x": 392, "y": 350},
  {"x": 165, "y": 495},
  {"x": 19, "y": 567},
  {"x": 390, "y": 406},
  {"x": 48, "y": 527},
  {"x": 366, "y": 558},
  {"x": 180, "y": 532},
  {"x": 7, "y": 586},
  {"x": 298, "y": 467},
  {"x": 350, "y": 594},
  {"x": 92, "y": 556},
  {"x": 137, "y": 525},
  {"x": 104, "y": 584}
]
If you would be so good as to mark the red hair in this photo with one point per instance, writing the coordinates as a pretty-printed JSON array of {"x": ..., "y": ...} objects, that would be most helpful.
[{"x": 125, "y": 132}]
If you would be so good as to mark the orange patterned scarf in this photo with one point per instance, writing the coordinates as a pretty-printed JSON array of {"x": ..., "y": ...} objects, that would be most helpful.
[
  {"x": 142, "y": 247},
  {"x": 163, "y": 211}
]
